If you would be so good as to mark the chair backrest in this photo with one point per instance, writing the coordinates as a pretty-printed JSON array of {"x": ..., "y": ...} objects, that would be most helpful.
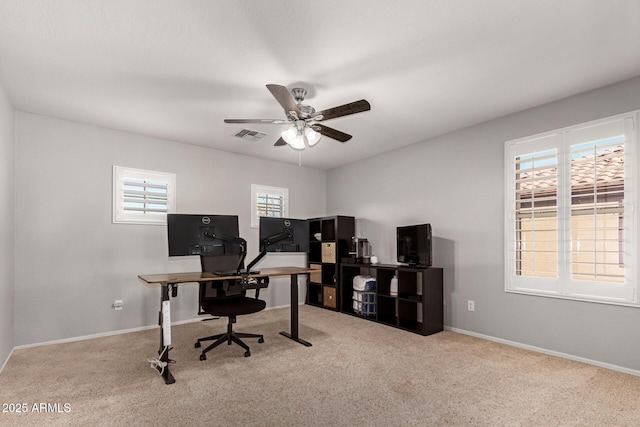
[
  {"x": 219, "y": 263},
  {"x": 220, "y": 288}
]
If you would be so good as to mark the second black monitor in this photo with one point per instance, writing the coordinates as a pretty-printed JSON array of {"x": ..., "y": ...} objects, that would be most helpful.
[
  {"x": 202, "y": 234},
  {"x": 284, "y": 234}
]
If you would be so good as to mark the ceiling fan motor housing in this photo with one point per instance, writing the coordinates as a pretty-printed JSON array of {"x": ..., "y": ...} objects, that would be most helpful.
[
  {"x": 306, "y": 111},
  {"x": 298, "y": 94}
]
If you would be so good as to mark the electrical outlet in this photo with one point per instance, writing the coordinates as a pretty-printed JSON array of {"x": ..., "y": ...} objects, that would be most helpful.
[
  {"x": 471, "y": 306},
  {"x": 117, "y": 304}
]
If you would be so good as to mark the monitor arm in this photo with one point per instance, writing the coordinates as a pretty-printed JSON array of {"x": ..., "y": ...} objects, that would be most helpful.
[
  {"x": 233, "y": 239},
  {"x": 285, "y": 234}
]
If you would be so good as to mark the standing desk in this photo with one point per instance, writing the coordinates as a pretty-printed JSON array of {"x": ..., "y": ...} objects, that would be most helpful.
[{"x": 169, "y": 287}]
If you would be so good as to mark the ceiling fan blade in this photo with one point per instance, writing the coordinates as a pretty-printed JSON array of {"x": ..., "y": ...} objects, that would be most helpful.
[
  {"x": 344, "y": 110},
  {"x": 268, "y": 121},
  {"x": 279, "y": 142},
  {"x": 332, "y": 133},
  {"x": 283, "y": 96}
]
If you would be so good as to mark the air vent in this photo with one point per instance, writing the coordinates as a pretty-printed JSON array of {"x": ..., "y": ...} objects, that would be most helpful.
[{"x": 251, "y": 135}]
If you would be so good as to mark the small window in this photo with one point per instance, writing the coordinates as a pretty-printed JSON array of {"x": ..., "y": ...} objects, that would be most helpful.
[
  {"x": 141, "y": 196},
  {"x": 268, "y": 201}
]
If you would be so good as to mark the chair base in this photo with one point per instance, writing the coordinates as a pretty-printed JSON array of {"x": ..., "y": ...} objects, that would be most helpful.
[{"x": 228, "y": 337}]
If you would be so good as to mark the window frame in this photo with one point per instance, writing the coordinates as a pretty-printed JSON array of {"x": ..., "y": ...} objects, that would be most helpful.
[
  {"x": 563, "y": 285},
  {"x": 123, "y": 216},
  {"x": 257, "y": 189}
]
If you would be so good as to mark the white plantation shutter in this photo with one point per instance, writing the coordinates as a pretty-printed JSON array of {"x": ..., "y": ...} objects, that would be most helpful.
[
  {"x": 536, "y": 214},
  {"x": 145, "y": 196},
  {"x": 570, "y": 212},
  {"x": 141, "y": 196},
  {"x": 597, "y": 210}
]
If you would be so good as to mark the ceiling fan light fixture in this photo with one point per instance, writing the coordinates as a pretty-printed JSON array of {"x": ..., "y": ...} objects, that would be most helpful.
[
  {"x": 294, "y": 138},
  {"x": 298, "y": 142},
  {"x": 289, "y": 135},
  {"x": 312, "y": 136}
]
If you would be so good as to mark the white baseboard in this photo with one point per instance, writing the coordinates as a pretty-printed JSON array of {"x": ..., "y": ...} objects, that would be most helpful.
[
  {"x": 7, "y": 359},
  {"x": 546, "y": 351},
  {"x": 86, "y": 337},
  {"x": 118, "y": 332}
]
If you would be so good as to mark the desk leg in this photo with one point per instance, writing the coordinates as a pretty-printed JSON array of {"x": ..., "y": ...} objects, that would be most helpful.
[
  {"x": 294, "y": 313},
  {"x": 164, "y": 352}
]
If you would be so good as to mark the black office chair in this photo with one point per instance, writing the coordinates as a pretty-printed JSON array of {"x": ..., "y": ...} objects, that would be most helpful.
[{"x": 227, "y": 298}]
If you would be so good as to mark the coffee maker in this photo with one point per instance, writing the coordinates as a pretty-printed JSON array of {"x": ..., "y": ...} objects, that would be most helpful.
[{"x": 361, "y": 250}]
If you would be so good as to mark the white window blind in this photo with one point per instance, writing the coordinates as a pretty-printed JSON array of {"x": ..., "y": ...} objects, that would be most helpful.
[
  {"x": 149, "y": 197},
  {"x": 570, "y": 212},
  {"x": 270, "y": 204},
  {"x": 268, "y": 201},
  {"x": 142, "y": 196}
]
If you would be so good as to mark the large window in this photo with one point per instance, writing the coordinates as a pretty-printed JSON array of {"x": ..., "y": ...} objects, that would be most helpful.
[
  {"x": 570, "y": 214},
  {"x": 141, "y": 196},
  {"x": 268, "y": 201}
]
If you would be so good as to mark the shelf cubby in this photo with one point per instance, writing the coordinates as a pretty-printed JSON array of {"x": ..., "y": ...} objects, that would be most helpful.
[
  {"x": 329, "y": 229},
  {"x": 383, "y": 277},
  {"x": 386, "y": 310},
  {"x": 315, "y": 252}
]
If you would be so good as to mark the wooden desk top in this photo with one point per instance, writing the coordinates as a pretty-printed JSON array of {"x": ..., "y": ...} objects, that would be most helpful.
[{"x": 198, "y": 276}]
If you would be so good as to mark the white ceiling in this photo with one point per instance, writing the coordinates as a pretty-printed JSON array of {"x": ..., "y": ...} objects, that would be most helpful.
[{"x": 174, "y": 69}]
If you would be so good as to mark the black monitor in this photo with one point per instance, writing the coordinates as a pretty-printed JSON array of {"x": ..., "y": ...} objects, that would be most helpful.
[
  {"x": 414, "y": 245},
  {"x": 284, "y": 234},
  {"x": 203, "y": 234},
  {"x": 281, "y": 235}
]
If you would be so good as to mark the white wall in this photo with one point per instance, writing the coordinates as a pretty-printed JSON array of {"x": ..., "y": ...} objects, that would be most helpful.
[
  {"x": 72, "y": 262},
  {"x": 456, "y": 182},
  {"x": 7, "y": 219}
]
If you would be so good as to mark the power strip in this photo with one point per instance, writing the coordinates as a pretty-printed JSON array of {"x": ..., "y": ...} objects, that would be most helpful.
[{"x": 166, "y": 323}]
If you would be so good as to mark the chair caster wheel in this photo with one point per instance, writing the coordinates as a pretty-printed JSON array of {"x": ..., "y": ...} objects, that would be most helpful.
[
  {"x": 261, "y": 340},
  {"x": 197, "y": 345},
  {"x": 247, "y": 353},
  {"x": 203, "y": 357}
]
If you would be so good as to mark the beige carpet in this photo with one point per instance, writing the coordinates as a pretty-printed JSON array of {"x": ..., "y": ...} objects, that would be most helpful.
[{"x": 356, "y": 373}]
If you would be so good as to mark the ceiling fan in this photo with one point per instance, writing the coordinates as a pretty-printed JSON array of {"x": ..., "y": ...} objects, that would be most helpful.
[{"x": 304, "y": 131}]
